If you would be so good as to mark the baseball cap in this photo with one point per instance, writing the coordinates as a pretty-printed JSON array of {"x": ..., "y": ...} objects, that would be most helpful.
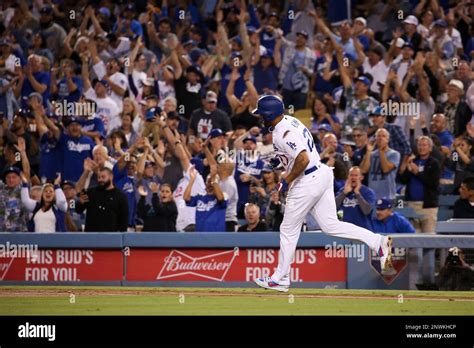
[
  {"x": 130, "y": 7},
  {"x": 149, "y": 163},
  {"x": 251, "y": 29},
  {"x": 149, "y": 81},
  {"x": 173, "y": 115},
  {"x": 251, "y": 138},
  {"x": 345, "y": 141},
  {"x": 364, "y": 80},
  {"x": 303, "y": 33},
  {"x": 198, "y": 164},
  {"x": 399, "y": 43},
  {"x": 211, "y": 97},
  {"x": 5, "y": 42},
  {"x": 408, "y": 44},
  {"x": 384, "y": 203},
  {"x": 103, "y": 82},
  {"x": 268, "y": 54},
  {"x": 72, "y": 120},
  {"x": 192, "y": 69},
  {"x": 235, "y": 55},
  {"x": 457, "y": 83},
  {"x": 440, "y": 23},
  {"x": 10, "y": 169},
  {"x": 411, "y": 20},
  {"x": 215, "y": 133},
  {"x": 325, "y": 127},
  {"x": 362, "y": 20},
  {"x": 195, "y": 54},
  {"x": 273, "y": 14},
  {"x": 237, "y": 39},
  {"x": 267, "y": 168},
  {"x": 376, "y": 111},
  {"x": 68, "y": 183},
  {"x": 46, "y": 9},
  {"x": 105, "y": 11},
  {"x": 189, "y": 43}
]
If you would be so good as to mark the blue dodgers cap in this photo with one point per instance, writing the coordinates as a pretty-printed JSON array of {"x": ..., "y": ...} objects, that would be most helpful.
[
  {"x": 237, "y": 39},
  {"x": 364, "y": 80},
  {"x": 303, "y": 33},
  {"x": 268, "y": 54},
  {"x": 198, "y": 164},
  {"x": 440, "y": 23},
  {"x": 376, "y": 111},
  {"x": 189, "y": 42},
  {"x": 251, "y": 138},
  {"x": 325, "y": 127},
  {"x": 104, "y": 11},
  {"x": 72, "y": 120},
  {"x": 9, "y": 170},
  {"x": 46, "y": 9},
  {"x": 216, "y": 132},
  {"x": 195, "y": 54},
  {"x": 251, "y": 29},
  {"x": 235, "y": 55},
  {"x": 384, "y": 203},
  {"x": 267, "y": 168},
  {"x": 68, "y": 183}
]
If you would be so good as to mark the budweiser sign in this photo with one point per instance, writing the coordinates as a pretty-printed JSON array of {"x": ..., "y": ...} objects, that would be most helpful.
[{"x": 213, "y": 267}]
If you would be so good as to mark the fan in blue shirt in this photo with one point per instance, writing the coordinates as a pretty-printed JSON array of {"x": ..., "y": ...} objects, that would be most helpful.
[
  {"x": 248, "y": 169},
  {"x": 124, "y": 179},
  {"x": 356, "y": 200},
  {"x": 74, "y": 148},
  {"x": 211, "y": 207},
  {"x": 388, "y": 221}
]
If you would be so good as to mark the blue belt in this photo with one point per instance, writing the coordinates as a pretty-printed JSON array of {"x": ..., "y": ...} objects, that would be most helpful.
[{"x": 310, "y": 170}]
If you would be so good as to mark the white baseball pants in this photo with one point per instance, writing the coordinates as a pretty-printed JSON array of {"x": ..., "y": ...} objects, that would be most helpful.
[{"x": 314, "y": 194}]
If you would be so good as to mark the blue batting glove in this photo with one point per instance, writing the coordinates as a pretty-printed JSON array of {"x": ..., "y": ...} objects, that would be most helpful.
[{"x": 282, "y": 186}]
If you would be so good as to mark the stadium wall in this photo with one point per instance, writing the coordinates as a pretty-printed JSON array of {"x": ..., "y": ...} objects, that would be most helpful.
[{"x": 203, "y": 259}]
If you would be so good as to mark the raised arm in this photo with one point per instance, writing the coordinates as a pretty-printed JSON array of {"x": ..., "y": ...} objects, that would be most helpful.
[{"x": 234, "y": 102}]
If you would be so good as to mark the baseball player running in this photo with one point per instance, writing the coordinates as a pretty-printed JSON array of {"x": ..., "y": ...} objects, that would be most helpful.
[{"x": 310, "y": 190}]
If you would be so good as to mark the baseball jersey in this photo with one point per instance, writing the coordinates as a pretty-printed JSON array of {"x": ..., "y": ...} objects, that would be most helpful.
[
  {"x": 186, "y": 214},
  {"x": 290, "y": 137}
]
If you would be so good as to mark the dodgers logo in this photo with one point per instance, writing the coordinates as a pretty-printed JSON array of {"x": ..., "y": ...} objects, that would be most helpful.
[{"x": 291, "y": 144}]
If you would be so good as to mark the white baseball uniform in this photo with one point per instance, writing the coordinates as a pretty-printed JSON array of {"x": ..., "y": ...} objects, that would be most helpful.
[{"x": 312, "y": 192}]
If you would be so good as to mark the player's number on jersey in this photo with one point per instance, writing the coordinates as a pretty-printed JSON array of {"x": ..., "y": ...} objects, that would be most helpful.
[{"x": 307, "y": 135}]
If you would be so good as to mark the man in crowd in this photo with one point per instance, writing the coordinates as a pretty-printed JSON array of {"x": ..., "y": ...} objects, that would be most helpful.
[{"x": 106, "y": 205}]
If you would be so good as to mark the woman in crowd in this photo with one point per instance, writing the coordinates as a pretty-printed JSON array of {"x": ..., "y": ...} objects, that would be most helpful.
[
  {"x": 161, "y": 215},
  {"x": 260, "y": 194},
  {"x": 461, "y": 160},
  {"x": 48, "y": 215},
  {"x": 322, "y": 113}
]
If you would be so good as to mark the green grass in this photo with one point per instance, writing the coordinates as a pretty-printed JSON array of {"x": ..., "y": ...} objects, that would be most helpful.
[{"x": 217, "y": 301}]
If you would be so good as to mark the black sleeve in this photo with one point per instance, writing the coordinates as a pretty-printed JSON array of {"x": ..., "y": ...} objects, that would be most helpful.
[
  {"x": 122, "y": 224},
  {"x": 142, "y": 208},
  {"x": 81, "y": 207},
  {"x": 430, "y": 176},
  {"x": 226, "y": 122}
]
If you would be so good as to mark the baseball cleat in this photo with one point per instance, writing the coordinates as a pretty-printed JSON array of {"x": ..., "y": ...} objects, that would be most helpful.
[
  {"x": 385, "y": 253},
  {"x": 268, "y": 283}
]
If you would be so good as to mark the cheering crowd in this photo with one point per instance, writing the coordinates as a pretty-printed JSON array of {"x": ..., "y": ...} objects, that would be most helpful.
[{"x": 137, "y": 116}]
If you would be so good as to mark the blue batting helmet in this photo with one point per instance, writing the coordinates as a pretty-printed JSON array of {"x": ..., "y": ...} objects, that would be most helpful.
[{"x": 269, "y": 107}]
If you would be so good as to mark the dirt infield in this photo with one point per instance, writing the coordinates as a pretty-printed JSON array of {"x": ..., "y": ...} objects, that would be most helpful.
[{"x": 231, "y": 292}]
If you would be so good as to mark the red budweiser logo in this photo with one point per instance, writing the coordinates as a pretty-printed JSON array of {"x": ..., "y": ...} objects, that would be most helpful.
[{"x": 213, "y": 267}]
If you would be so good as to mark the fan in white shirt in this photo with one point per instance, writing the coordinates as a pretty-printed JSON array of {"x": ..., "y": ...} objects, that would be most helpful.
[{"x": 107, "y": 108}]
